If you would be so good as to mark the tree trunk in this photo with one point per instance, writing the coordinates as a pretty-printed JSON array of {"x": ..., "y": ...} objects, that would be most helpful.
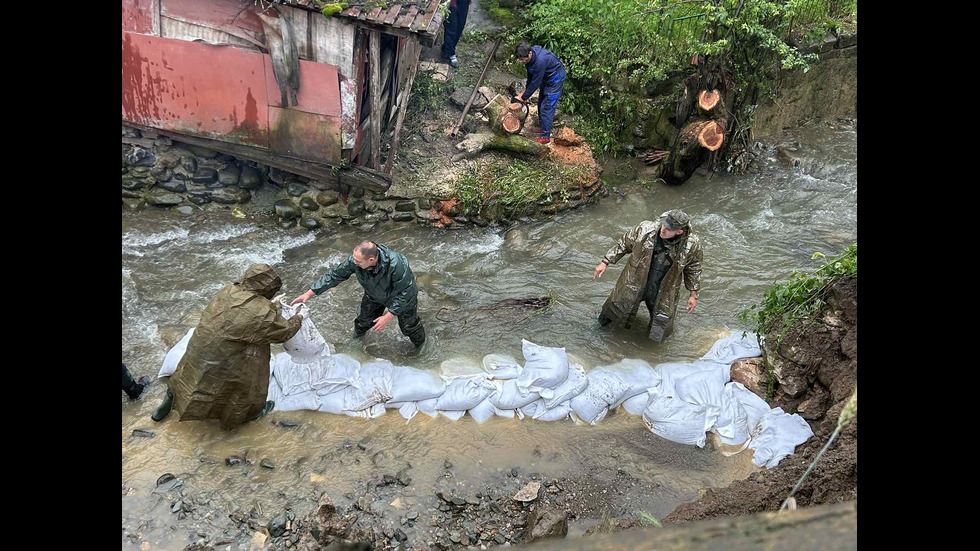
[{"x": 475, "y": 143}]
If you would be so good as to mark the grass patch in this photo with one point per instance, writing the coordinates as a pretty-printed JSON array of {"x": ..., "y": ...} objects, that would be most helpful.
[
  {"x": 506, "y": 17},
  {"x": 428, "y": 94},
  {"x": 496, "y": 190}
]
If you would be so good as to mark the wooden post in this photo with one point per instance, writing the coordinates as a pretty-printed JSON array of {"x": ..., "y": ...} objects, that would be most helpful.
[
  {"x": 403, "y": 104},
  {"x": 375, "y": 91},
  {"x": 358, "y": 77}
]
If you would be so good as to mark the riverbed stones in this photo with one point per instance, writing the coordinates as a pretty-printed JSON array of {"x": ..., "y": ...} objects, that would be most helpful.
[
  {"x": 326, "y": 198},
  {"x": 163, "y": 198},
  {"x": 295, "y": 188},
  {"x": 205, "y": 175},
  {"x": 174, "y": 186},
  {"x": 309, "y": 203},
  {"x": 403, "y": 217},
  {"x": 277, "y": 526},
  {"x": 199, "y": 197},
  {"x": 229, "y": 176},
  {"x": 529, "y": 492},
  {"x": 186, "y": 210},
  {"x": 355, "y": 208},
  {"x": 287, "y": 210},
  {"x": 234, "y": 460},
  {"x": 133, "y": 184},
  {"x": 231, "y": 195},
  {"x": 267, "y": 464},
  {"x": 545, "y": 522},
  {"x": 161, "y": 173},
  {"x": 189, "y": 164},
  {"x": 405, "y": 206},
  {"x": 250, "y": 178}
]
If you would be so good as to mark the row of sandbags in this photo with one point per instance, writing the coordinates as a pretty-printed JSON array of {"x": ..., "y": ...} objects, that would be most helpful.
[{"x": 678, "y": 401}]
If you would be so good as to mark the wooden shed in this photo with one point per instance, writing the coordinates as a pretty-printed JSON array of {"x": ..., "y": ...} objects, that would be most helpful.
[{"x": 209, "y": 73}]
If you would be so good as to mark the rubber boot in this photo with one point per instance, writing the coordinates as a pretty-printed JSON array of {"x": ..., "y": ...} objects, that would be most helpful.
[
  {"x": 163, "y": 410},
  {"x": 268, "y": 407},
  {"x": 136, "y": 391}
]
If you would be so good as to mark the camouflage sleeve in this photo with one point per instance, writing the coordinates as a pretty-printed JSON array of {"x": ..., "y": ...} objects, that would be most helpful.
[
  {"x": 335, "y": 276},
  {"x": 692, "y": 272},
  {"x": 624, "y": 247},
  {"x": 272, "y": 327}
]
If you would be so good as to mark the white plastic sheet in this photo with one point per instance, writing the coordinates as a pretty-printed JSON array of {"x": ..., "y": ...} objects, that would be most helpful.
[{"x": 174, "y": 355}]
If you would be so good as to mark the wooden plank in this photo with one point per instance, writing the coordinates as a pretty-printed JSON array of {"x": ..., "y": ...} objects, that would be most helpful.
[
  {"x": 358, "y": 77},
  {"x": 374, "y": 51},
  {"x": 355, "y": 176},
  {"x": 430, "y": 12},
  {"x": 363, "y": 16},
  {"x": 355, "y": 11},
  {"x": 373, "y": 14},
  {"x": 405, "y": 20},
  {"x": 392, "y": 14},
  {"x": 145, "y": 142},
  {"x": 434, "y": 26},
  {"x": 403, "y": 104}
]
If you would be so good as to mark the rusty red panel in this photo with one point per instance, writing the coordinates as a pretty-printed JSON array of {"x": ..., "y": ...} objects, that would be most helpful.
[
  {"x": 210, "y": 91},
  {"x": 319, "y": 88},
  {"x": 303, "y": 135},
  {"x": 214, "y": 13},
  {"x": 137, "y": 16}
]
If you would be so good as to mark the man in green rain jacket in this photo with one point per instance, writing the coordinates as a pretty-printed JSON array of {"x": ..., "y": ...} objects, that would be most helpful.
[
  {"x": 225, "y": 372},
  {"x": 662, "y": 254},
  {"x": 388, "y": 283}
]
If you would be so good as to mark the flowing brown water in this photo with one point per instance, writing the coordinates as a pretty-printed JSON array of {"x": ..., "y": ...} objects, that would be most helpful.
[{"x": 755, "y": 229}]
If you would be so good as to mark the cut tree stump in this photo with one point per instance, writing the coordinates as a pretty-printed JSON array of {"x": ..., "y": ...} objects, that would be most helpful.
[
  {"x": 504, "y": 119},
  {"x": 712, "y": 135},
  {"x": 707, "y": 100}
]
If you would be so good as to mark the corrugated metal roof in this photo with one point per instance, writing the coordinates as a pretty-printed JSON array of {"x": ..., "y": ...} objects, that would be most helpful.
[{"x": 421, "y": 16}]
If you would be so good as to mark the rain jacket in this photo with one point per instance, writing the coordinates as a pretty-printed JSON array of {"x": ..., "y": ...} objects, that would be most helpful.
[
  {"x": 225, "y": 372},
  {"x": 545, "y": 68},
  {"x": 390, "y": 282},
  {"x": 625, "y": 299}
]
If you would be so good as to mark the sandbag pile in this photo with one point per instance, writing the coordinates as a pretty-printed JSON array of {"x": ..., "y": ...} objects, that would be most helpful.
[{"x": 677, "y": 401}]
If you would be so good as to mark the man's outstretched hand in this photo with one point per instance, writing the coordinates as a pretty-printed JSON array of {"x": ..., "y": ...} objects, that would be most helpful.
[
  {"x": 599, "y": 270},
  {"x": 302, "y": 298},
  {"x": 382, "y": 322}
]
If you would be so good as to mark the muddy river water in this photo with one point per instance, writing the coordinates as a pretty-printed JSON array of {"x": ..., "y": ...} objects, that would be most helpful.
[{"x": 755, "y": 229}]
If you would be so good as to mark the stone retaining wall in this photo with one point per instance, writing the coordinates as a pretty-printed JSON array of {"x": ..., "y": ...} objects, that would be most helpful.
[{"x": 161, "y": 173}]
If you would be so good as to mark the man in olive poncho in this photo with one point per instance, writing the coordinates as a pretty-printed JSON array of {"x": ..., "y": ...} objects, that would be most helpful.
[
  {"x": 389, "y": 286},
  {"x": 663, "y": 253},
  {"x": 225, "y": 372}
]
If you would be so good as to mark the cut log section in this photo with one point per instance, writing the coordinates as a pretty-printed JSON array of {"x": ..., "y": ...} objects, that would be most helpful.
[
  {"x": 708, "y": 99},
  {"x": 505, "y": 119},
  {"x": 712, "y": 136}
]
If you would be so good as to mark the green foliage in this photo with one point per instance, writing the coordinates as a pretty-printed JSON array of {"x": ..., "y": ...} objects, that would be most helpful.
[
  {"x": 799, "y": 299},
  {"x": 649, "y": 519},
  {"x": 427, "y": 94},
  {"x": 336, "y": 7},
  {"x": 505, "y": 16},
  {"x": 498, "y": 189}
]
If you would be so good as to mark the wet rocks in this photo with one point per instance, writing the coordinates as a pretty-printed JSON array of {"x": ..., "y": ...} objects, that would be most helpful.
[
  {"x": 250, "y": 178},
  {"x": 288, "y": 424},
  {"x": 231, "y": 195},
  {"x": 310, "y": 223},
  {"x": 229, "y": 176},
  {"x": 326, "y": 198},
  {"x": 403, "y": 217},
  {"x": 267, "y": 464},
  {"x": 205, "y": 176},
  {"x": 529, "y": 492},
  {"x": 309, "y": 203},
  {"x": 174, "y": 186},
  {"x": 286, "y": 210},
  {"x": 164, "y": 478},
  {"x": 296, "y": 189},
  {"x": 139, "y": 433},
  {"x": 163, "y": 198},
  {"x": 355, "y": 208},
  {"x": 545, "y": 522},
  {"x": 234, "y": 460},
  {"x": 277, "y": 526}
]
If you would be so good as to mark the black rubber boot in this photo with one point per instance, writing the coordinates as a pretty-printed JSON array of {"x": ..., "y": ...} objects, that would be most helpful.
[
  {"x": 163, "y": 410},
  {"x": 268, "y": 407},
  {"x": 136, "y": 391}
]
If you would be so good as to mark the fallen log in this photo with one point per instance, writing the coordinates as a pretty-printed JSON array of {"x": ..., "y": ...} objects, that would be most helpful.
[
  {"x": 482, "y": 141},
  {"x": 712, "y": 136}
]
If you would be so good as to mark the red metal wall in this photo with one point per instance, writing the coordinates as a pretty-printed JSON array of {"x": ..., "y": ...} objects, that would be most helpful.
[{"x": 223, "y": 92}]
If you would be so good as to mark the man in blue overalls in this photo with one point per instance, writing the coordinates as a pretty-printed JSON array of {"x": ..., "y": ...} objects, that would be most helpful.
[{"x": 546, "y": 71}]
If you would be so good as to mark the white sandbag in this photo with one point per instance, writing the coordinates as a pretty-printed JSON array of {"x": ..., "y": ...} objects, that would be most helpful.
[
  {"x": 574, "y": 385},
  {"x": 482, "y": 411},
  {"x": 373, "y": 412},
  {"x": 463, "y": 393},
  {"x": 373, "y": 386},
  {"x": 675, "y": 419},
  {"x": 428, "y": 407},
  {"x": 301, "y": 400},
  {"x": 509, "y": 396},
  {"x": 672, "y": 372},
  {"x": 637, "y": 404},
  {"x": 544, "y": 368},
  {"x": 733, "y": 347},
  {"x": 780, "y": 434},
  {"x": 754, "y": 406},
  {"x": 506, "y": 413},
  {"x": 332, "y": 402},
  {"x": 557, "y": 413},
  {"x": 706, "y": 389},
  {"x": 638, "y": 374},
  {"x": 502, "y": 367},
  {"x": 307, "y": 343},
  {"x": 410, "y": 385},
  {"x": 293, "y": 378},
  {"x": 174, "y": 355},
  {"x": 329, "y": 374},
  {"x": 453, "y": 415},
  {"x": 275, "y": 392},
  {"x": 605, "y": 388}
]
